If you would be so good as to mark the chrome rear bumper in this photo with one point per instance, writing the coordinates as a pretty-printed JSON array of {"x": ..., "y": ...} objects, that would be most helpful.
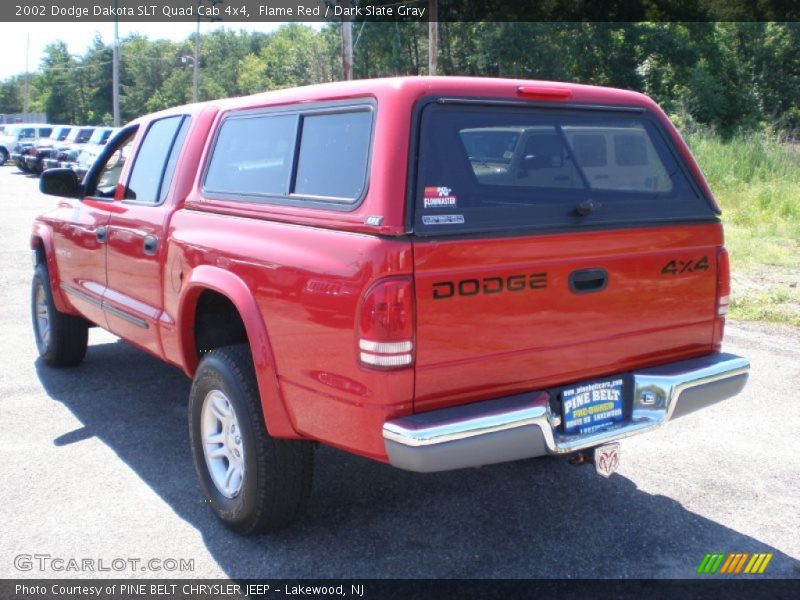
[{"x": 525, "y": 426}]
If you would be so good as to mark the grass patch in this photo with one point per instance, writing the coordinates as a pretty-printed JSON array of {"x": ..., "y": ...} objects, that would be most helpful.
[
  {"x": 756, "y": 180},
  {"x": 777, "y": 306},
  {"x": 749, "y": 248}
]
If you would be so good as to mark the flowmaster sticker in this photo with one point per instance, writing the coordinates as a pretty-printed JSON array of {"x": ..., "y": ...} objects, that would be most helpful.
[
  {"x": 442, "y": 219},
  {"x": 438, "y": 197}
]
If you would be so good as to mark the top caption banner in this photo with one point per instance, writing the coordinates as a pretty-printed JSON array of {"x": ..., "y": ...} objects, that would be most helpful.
[{"x": 241, "y": 11}]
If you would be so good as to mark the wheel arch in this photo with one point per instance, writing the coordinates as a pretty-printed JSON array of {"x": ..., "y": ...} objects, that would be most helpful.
[
  {"x": 42, "y": 245},
  {"x": 206, "y": 278}
]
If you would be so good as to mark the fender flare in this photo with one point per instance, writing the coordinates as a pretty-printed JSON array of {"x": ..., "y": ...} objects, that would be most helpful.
[
  {"x": 225, "y": 283},
  {"x": 42, "y": 240}
]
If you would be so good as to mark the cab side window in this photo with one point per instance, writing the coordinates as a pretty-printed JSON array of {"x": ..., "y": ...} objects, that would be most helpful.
[
  {"x": 101, "y": 181},
  {"x": 154, "y": 164}
]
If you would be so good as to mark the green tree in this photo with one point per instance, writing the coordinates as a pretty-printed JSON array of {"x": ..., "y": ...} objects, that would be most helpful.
[
  {"x": 728, "y": 76},
  {"x": 252, "y": 75},
  {"x": 58, "y": 86},
  {"x": 12, "y": 94},
  {"x": 97, "y": 76}
]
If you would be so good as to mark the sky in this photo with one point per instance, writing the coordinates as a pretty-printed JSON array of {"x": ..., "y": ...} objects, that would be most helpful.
[{"x": 78, "y": 37}]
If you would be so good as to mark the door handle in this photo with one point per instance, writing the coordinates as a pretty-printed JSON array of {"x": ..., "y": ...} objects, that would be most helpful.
[
  {"x": 150, "y": 245},
  {"x": 101, "y": 233},
  {"x": 584, "y": 281}
]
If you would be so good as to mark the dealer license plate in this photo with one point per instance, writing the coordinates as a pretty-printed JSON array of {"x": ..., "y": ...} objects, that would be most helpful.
[{"x": 591, "y": 406}]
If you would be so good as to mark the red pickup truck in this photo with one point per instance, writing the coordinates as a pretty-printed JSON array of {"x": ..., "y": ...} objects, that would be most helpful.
[{"x": 432, "y": 272}]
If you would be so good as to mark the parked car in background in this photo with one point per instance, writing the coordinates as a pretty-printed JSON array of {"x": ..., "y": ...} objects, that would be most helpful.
[
  {"x": 20, "y": 133},
  {"x": 39, "y": 148},
  {"x": 18, "y": 153},
  {"x": 68, "y": 150},
  {"x": 89, "y": 153}
]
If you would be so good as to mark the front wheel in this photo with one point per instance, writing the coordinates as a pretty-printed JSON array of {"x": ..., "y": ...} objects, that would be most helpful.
[
  {"x": 60, "y": 338},
  {"x": 3, "y": 156},
  {"x": 254, "y": 482}
]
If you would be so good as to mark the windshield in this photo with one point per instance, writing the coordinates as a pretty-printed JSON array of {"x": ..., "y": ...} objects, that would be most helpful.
[
  {"x": 79, "y": 136},
  {"x": 83, "y": 136},
  {"x": 493, "y": 167},
  {"x": 100, "y": 136},
  {"x": 60, "y": 133}
]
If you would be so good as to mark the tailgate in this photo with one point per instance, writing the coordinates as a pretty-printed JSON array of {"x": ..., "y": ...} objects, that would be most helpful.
[
  {"x": 500, "y": 316},
  {"x": 554, "y": 245}
]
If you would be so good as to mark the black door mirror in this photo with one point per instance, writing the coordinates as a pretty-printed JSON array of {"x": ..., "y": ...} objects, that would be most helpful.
[{"x": 60, "y": 182}]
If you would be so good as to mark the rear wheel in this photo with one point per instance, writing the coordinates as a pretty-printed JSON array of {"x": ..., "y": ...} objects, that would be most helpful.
[
  {"x": 254, "y": 482},
  {"x": 60, "y": 338}
]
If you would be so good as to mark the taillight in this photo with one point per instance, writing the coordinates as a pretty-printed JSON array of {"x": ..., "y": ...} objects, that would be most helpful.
[
  {"x": 723, "y": 282},
  {"x": 386, "y": 325}
]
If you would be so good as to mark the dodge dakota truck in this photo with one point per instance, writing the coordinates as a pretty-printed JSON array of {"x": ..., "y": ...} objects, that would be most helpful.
[{"x": 432, "y": 272}]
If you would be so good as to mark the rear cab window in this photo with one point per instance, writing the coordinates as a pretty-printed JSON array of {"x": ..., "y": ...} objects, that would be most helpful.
[
  {"x": 494, "y": 167},
  {"x": 312, "y": 156}
]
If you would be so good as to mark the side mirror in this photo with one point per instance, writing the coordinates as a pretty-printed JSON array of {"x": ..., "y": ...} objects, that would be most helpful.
[{"x": 60, "y": 182}]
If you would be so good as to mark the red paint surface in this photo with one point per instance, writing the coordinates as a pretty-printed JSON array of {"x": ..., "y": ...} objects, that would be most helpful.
[{"x": 297, "y": 275}]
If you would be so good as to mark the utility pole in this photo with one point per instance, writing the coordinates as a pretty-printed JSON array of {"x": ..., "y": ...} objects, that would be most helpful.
[
  {"x": 347, "y": 45},
  {"x": 196, "y": 85},
  {"x": 433, "y": 36},
  {"x": 196, "y": 60},
  {"x": 115, "y": 69}
]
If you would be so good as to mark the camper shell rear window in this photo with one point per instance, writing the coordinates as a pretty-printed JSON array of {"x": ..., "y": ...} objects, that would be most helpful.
[{"x": 486, "y": 166}]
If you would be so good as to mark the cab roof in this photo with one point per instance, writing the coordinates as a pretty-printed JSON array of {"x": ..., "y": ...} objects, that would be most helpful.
[{"x": 413, "y": 88}]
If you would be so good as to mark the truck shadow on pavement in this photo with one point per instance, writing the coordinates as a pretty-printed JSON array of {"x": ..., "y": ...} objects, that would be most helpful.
[{"x": 536, "y": 518}]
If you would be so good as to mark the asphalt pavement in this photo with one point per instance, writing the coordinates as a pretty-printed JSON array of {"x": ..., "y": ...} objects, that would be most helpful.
[{"x": 96, "y": 466}]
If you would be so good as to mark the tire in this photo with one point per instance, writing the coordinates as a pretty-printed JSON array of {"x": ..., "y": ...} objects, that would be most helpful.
[
  {"x": 60, "y": 338},
  {"x": 253, "y": 482},
  {"x": 22, "y": 166},
  {"x": 3, "y": 156}
]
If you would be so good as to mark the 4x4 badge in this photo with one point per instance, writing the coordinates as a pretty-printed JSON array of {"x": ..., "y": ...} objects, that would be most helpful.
[{"x": 676, "y": 267}]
